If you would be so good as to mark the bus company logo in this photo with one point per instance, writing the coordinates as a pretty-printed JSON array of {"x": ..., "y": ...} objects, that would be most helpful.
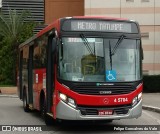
[
  {"x": 105, "y": 92},
  {"x": 6, "y": 128},
  {"x": 105, "y": 100}
]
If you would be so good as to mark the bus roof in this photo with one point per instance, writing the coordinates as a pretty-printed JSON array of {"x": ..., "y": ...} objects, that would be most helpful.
[
  {"x": 56, "y": 24},
  {"x": 99, "y": 17}
]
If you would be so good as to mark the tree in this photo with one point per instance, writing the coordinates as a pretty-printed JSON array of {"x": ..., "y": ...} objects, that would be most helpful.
[
  {"x": 11, "y": 25},
  {"x": 13, "y": 30}
]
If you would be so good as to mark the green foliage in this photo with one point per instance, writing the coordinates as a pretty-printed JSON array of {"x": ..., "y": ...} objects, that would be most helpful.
[
  {"x": 13, "y": 31},
  {"x": 27, "y": 32},
  {"x": 11, "y": 25},
  {"x": 6, "y": 62},
  {"x": 151, "y": 83}
]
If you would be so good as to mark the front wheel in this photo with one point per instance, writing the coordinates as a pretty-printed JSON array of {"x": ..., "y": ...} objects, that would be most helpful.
[
  {"x": 48, "y": 120},
  {"x": 25, "y": 105}
]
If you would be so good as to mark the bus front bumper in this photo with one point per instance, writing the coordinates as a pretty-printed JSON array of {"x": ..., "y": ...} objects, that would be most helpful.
[{"x": 66, "y": 112}]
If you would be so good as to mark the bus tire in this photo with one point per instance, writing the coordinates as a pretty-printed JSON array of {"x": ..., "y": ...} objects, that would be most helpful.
[
  {"x": 25, "y": 105},
  {"x": 48, "y": 120}
]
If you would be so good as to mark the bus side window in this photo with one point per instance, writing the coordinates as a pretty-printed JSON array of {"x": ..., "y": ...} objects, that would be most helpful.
[
  {"x": 36, "y": 57},
  {"x": 39, "y": 55}
]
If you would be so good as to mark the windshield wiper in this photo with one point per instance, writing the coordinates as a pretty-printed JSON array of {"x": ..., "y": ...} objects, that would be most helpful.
[
  {"x": 117, "y": 44},
  {"x": 110, "y": 54},
  {"x": 85, "y": 41}
]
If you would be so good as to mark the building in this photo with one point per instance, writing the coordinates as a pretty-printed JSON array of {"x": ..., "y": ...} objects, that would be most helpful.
[
  {"x": 62, "y": 8},
  {"x": 146, "y": 12},
  {"x": 36, "y": 8},
  {"x": 45, "y": 10}
]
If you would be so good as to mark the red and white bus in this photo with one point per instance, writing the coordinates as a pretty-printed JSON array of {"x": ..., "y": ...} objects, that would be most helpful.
[{"x": 83, "y": 68}]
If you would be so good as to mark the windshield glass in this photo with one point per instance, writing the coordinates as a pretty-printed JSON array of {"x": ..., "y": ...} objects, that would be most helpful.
[{"x": 90, "y": 62}]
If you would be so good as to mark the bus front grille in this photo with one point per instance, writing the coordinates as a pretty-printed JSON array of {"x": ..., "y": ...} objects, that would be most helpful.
[{"x": 104, "y": 90}]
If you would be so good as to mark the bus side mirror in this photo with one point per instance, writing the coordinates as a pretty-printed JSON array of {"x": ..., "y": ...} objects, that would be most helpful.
[{"x": 52, "y": 39}]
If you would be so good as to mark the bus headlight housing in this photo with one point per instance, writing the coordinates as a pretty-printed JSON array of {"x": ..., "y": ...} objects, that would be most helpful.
[
  {"x": 139, "y": 96},
  {"x": 63, "y": 97},
  {"x": 137, "y": 99},
  {"x": 68, "y": 100},
  {"x": 134, "y": 101}
]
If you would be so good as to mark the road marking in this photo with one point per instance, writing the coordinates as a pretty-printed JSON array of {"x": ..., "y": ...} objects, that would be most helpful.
[{"x": 158, "y": 121}]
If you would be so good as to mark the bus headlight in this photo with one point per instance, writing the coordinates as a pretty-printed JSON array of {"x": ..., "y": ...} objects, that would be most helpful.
[
  {"x": 67, "y": 100},
  {"x": 134, "y": 101},
  {"x": 63, "y": 97},
  {"x": 137, "y": 99}
]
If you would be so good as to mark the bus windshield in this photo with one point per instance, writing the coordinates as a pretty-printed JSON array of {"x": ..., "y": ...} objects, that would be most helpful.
[{"x": 89, "y": 60}]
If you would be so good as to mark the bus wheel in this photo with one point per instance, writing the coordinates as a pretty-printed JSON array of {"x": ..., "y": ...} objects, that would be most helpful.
[
  {"x": 25, "y": 105},
  {"x": 48, "y": 120}
]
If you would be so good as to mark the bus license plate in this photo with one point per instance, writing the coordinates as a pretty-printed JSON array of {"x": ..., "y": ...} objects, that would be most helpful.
[{"x": 105, "y": 112}]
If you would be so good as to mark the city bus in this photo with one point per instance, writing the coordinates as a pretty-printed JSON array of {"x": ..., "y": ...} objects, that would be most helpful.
[{"x": 83, "y": 68}]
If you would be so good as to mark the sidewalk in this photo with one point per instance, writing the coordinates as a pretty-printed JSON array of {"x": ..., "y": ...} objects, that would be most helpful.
[{"x": 8, "y": 90}]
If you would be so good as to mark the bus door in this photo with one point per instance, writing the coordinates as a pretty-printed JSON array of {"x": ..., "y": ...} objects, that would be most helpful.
[
  {"x": 39, "y": 69},
  {"x": 19, "y": 79},
  {"x": 30, "y": 76},
  {"x": 50, "y": 85}
]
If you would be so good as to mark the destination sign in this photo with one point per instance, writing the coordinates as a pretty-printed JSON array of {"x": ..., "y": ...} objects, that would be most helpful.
[{"x": 99, "y": 25}]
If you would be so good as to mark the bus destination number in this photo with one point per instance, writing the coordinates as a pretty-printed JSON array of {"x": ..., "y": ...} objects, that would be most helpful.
[{"x": 120, "y": 100}]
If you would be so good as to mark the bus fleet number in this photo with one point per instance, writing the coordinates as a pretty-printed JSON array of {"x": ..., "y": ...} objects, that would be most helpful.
[{"x": 121, "y": 100}]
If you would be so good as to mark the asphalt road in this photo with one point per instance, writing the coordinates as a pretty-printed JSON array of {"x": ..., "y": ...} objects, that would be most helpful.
[{"x": 11, "y": 113}]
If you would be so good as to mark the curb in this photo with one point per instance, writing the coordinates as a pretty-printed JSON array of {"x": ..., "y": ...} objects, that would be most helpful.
[
  {"x": 10, "y": 96},
  {"x": 151, "y": 108}
]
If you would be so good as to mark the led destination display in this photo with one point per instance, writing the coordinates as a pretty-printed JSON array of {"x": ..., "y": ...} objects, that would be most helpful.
[{"x": 101, "y": 26}]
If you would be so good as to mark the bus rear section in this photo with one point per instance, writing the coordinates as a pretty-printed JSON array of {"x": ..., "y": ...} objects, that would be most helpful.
[{"x": 90, "y": 68}]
